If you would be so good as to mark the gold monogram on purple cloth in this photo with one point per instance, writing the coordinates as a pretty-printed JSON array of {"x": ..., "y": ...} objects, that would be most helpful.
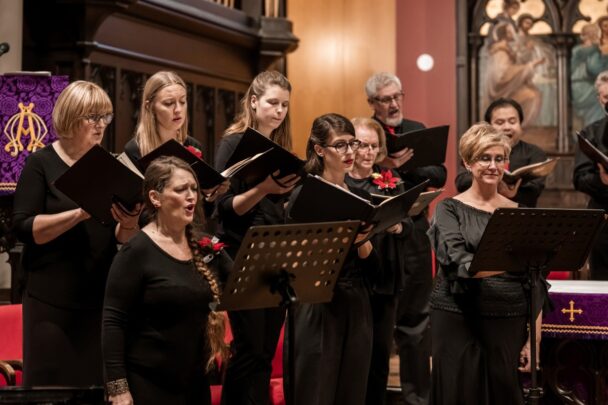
[{"x": 26, "y": 107}]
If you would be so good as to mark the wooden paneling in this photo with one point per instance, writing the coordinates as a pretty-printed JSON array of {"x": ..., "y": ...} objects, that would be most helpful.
[{"x": 341, "y": 44}]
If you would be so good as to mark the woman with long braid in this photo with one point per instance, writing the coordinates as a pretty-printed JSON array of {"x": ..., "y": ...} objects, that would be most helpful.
[{"x": 159, "y": 331}]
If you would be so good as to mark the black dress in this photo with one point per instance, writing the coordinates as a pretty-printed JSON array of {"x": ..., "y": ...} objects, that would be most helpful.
[
  {"x": 587, "y": 180},
  {"x": 479, "y": 325},
  {"x": 386, "y": 284},
  {"x": 65, "y": 280},
  {"x": 522, "y": 154},
  {"x": 334, "y": 340},
  {"x": 256, "y": 332},
  {"x": 154, "y": 324},
  {"x": 133, "y": 152}
]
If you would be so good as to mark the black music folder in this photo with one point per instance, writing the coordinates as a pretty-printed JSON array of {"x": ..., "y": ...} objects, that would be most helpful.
[
  {"x": 591, "y": 151},
  {"x": 429, "y": 145},
  {"x": 207, "y": 176},
  {"x": 97, "y": 180},
  {"x": 262, "y": 157},
  {"x": 321, "y": 201},
  {"x": 530, "y": 172}
]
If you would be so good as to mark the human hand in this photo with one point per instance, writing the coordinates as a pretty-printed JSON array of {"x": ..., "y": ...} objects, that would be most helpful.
[
  {"x": 122, "y": 399},
  {"x": 211, "y": 194},
  {"x": 82, "y": 214},
  {"x": 274, "y": 185},
  {"x": 397, "y": 159},
  {"x": 509, "y": 190},
  {"x": 396, "y": 229},
  {"x": 128, "y": 220},
  {"x": 525, "y": 363},
  {"x": 603, "y": 174}
]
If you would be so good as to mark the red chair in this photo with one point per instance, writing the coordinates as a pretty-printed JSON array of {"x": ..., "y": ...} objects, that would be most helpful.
[{"x": 11, "y": 345}]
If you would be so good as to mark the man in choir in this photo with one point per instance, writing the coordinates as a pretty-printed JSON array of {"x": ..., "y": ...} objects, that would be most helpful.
[
  {"x": 506, "y": 115},
  {"x": 385, "y": 97},
  {"x": 591, "y": 179}
]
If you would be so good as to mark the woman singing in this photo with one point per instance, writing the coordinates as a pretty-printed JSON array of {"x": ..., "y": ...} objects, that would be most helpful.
[
  {"x": 479, "y": 320},
  {"x": 265, "y": 107},
  {"x": 159, "y": 332},
  {"x": 67, "y": 254}
]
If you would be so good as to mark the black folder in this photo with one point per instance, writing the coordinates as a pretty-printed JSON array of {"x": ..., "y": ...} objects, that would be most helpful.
[
  {"x": 207, "y": 176},
  {"x": 268, "y": 157},
  {"x": 97, "y": 180},
  {"x": 429, "y": 145},
  {"x": 321, "y": 201},
  {"x": 592, "y": 152}
]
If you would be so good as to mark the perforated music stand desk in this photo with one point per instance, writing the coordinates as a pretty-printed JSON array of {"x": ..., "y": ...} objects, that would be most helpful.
[
  {"x": 534, "y": 240},
  {"x": 279, "y": 265}
]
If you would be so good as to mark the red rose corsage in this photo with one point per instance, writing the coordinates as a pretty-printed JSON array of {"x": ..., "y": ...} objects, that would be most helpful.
[
  {"x": 210, "y": 247},
  {"x": 195, "y": 151},
  {"x": 385, "y": 180}
]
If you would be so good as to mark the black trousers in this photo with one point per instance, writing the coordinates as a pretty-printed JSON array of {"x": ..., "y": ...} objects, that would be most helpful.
[
  {"x": 412, "y": 328},
  {"x": 598, "y": 260},
  {"x": 383, "y": 315},
  {"x": 333, "y": 348},
  {"x": 475, "y": 359},
  {"x": 147, "y": 388},
  {"x": 61, "y": 346},
  {"x": 256, "y": 334}
]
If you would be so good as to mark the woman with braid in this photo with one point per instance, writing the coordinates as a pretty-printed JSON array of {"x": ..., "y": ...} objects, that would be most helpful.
[{"x": 159, "y": 333}]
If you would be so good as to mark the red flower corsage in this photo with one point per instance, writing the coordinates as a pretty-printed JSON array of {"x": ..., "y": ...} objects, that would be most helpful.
[
  {"x": 195, "y": 151},
  {"x": 210, "y": 247},
  {"x": 385, "y": 180}
]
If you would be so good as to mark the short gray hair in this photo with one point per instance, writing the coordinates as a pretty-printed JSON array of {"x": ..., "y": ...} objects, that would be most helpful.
[
  {"x": 378, "y": 81},
  {"x": 601, "y": 80}
]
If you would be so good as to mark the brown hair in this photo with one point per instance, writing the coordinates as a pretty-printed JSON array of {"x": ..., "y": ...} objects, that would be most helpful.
[
  {"x": 246, "y": 118},
  {"x": 479, "y": 138},
  {"x": 76, "y": 101},
  {"x": 373, "y": 125},
  {"x": 146, "y": 134},
  {"x": 322, "y": 129},
  {"x": 157, "y": 175}
]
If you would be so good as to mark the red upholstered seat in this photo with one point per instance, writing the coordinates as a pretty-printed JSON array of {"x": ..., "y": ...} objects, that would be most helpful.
[
  {"x": 559, "y": 275},
  {"x": 11, "y": 344}
]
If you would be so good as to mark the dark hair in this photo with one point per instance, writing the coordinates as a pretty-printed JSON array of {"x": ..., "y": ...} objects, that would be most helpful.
[
  {"x": 500, "y": 103},
  {"x": 322, "y": 128}
]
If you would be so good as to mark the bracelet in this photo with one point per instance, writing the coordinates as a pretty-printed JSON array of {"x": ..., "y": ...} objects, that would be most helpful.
[{"x": 117, "y": 387}]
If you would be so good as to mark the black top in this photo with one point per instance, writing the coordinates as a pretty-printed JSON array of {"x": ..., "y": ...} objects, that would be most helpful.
[
  {"x": 354, "y": 268},
  {"x": 389, "y": 246},
  {"x": 132, "y": 148},
  {"x": 155, "y": 314},
  {"x": 437, "y": 174},
  {"x": 522, "y": 154},
  {"x": 269, "y": 211},
  {"x": 70, "y": 271},
  {"x": 586, "y": 173},
  {"x": 455, "y": 232}
]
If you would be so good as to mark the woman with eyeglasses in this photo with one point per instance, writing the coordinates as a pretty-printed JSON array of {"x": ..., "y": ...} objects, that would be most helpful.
[
  {"x": 386, "y": 284},
  {"x": 479, "y": 319},
  {"x": 164, "y": 116},
  {"x": 265, "y": 108},
  {"x": 334, "y": 340},
  {"x": 67, "y": 254}
]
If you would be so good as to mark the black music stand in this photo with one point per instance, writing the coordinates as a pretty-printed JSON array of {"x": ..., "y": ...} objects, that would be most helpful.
[
  {"x": 534, "y": 240},
  {"x": 279, "y": 265}
]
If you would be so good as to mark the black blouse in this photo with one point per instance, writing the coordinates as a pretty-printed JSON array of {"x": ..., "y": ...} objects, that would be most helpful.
[
  {"x": 70, "y": 271},
  {"x": 132, "y": 148},
  {"x": 455, "y": 233}
]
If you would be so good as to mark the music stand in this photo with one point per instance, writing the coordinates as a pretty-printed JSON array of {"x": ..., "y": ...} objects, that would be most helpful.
[
  {"x": 52, "y": 395},
  {"x": 534, "y": 240},
  {"x": 279, "y": 265}
]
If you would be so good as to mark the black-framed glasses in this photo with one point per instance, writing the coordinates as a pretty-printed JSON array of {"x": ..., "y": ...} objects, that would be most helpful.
[
  {"x": 96, "y": 118},
  {"x": 370, "y": 146},
  {"x": 486, "y": 160},
  {"x": 342, "y": 146},
  {"x": 388, "y": 99}
]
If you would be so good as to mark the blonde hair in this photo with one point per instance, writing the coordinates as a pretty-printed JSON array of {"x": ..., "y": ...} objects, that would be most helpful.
[
  {"x": 246, "y": 118},
  {"x": 75, "y": 102},
  {"x": 146, "y": 134},
  {"x": 479, "y": 138},
  {"x": 373, "y": 125}
]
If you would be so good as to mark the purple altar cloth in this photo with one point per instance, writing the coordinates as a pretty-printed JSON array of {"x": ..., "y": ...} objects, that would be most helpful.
[
  {"x": 26, "y": 125},
  {"x": 581, "y": 310}
]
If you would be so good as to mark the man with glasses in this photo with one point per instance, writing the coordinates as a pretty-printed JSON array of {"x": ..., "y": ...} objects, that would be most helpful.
[
  {"x": 506, "y": 115},
  {"x": 385, "y": 97}
]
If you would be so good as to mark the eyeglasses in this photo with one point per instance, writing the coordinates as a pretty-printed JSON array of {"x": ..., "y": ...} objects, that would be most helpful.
[
  {"x": 95, "y": 118},
  {"x": 370, "y": 146},
  {"x": 486, "y": 160},
  {"x": 388, "y": 99},
  {"x": 342, "y": 146}
]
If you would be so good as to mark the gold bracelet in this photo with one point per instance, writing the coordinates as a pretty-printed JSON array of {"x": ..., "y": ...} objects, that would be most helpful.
[{"x": 117, "y": 387}]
